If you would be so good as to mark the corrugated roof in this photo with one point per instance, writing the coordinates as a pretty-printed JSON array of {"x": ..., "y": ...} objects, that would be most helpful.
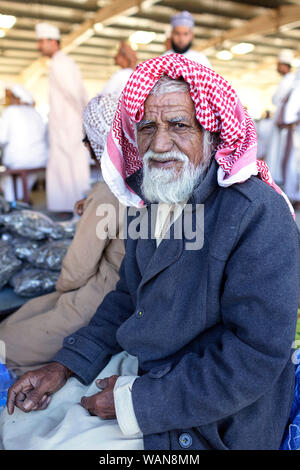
[{"x": 270, "y": 25}]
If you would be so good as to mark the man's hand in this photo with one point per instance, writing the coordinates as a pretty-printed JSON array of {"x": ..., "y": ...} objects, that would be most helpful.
[
  {"x": 102, "y": 404},
  {"x": 34, "y": 389}
]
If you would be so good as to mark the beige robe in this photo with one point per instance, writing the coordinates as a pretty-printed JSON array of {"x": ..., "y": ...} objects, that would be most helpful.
[
  {"x": 67, "y": 177},
  {"x": 36, "y": 331}
]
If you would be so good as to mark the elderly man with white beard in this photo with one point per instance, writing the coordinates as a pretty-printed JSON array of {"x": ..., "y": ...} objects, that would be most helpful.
[
  {"x": 192, "y": 350},
  {"x": 180, "y": 156}
]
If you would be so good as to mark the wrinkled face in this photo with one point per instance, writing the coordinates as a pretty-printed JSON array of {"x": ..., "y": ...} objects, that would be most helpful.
[
  {"x": 169, "y": 125},
  {"x": 47, "y": 47},
  {"x": 181, "y": 36},
  {"x": 170, "y": 143}
]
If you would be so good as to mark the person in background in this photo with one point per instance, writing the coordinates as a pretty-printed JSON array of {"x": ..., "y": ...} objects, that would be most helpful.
[
  {"x": 68, "y": 171},
  {"x": 181, "y": 38},
  {"x": 89, "y": 270},
  {"x": 192, "y": 350},
  {"x": 291, "y": 154},
  {"x": 23, "y": 138},
  {"x": 126, "y": 59},
  {"x": 278, "y": 134}
]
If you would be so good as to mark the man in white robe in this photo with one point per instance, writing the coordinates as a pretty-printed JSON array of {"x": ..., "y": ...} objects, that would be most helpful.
[
  {"x": 23, "y": 138},
  {"x": 278, "y": 135},
  {"x": 68, "y": 172},
  {"x": 182, "y": 36},
  {"x": 291, "y": 155}
]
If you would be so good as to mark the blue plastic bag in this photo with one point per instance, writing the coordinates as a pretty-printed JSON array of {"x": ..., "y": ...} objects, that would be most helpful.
[{"x": 291, "y": 440}]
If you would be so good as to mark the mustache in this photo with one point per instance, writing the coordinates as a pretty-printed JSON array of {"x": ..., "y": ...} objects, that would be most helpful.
[{"x": 164, "y": 156}]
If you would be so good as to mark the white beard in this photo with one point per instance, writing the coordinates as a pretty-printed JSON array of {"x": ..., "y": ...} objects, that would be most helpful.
[{"x": 166, "y": 184}]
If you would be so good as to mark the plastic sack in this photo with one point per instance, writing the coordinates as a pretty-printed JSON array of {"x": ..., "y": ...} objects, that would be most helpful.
[
  {"x": 28, "y": 224},
  {"x": 63, "y": 230},
  {"x": 33, "y": 281},
  {"x": 9, "y": 263},
  {"x": 49, "y": 255},
  {"x": 57, "y": 232},
  {"x": 6, "y": 236}
]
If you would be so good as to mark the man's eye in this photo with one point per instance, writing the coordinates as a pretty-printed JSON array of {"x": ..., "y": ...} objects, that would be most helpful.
[
  {"x": 179, "y": 125},
  {"x": 146, "y": 128}
]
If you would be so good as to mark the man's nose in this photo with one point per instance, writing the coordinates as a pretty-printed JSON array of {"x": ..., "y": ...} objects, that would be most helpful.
[{"x": 161, "y": 141}]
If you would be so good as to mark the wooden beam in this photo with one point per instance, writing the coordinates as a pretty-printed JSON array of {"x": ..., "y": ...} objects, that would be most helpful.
[
  {"x": 34, "y": 71},
  {"x": 269, "y": 23},
  {"x": 52, "y": 3},
  {"x": 104, "y": 16}
]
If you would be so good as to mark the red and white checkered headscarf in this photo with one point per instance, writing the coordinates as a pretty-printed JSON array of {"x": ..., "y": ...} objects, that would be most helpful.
[{"x": 217, "y": 108}]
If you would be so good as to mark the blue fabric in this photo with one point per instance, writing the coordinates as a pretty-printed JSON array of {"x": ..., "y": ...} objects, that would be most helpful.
[
  {"x": 291, "y": 440},
  {"x": 6, "y": 380}
]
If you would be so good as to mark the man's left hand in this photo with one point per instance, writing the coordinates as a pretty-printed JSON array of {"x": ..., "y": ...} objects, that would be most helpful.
[{"x": 102, "y": 404}]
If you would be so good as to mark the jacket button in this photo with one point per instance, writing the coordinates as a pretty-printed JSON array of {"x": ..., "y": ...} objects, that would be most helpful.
[
  {"x": 185, "y": 440},
  {"x": 71, "y": 340},
  {"x": 139, "y": 314}
]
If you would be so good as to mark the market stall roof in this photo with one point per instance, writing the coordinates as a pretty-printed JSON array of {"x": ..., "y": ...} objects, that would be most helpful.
[{"x": 92, "y": 29}]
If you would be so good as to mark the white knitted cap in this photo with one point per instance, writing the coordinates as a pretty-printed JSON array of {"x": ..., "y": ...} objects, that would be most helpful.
[
  {"x": 47, "y": 31},
  {"x": 286, "y": 56},
  {"x": 97, "y": 120}
]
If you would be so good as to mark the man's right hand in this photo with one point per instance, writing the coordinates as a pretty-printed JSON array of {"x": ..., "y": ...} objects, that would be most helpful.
[{"x": 34, "y": 389}]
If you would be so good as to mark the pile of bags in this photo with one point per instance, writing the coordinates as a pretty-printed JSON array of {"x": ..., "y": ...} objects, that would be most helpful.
[{"x": 32, "y": 247}]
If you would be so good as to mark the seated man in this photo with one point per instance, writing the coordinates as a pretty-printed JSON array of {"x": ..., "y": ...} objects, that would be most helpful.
[
  {"x": 23, "y": 138},
  {"x": 205, "y": 325},
  {"x": 89, "y": 271}
]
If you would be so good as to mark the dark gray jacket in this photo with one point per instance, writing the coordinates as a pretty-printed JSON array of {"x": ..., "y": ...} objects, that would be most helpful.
[{"x": 212, "y": 328}]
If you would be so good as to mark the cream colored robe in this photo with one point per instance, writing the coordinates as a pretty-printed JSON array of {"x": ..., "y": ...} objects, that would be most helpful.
[{"x": 67, "y": 178}]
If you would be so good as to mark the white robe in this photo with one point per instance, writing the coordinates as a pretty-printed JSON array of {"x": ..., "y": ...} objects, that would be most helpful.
[
  {"x": 68, "y": 172},
  {"x": 23, "y": 137},
  {"x": 263, "y": 129},
  {"x": 65, "y": 424},
  {"x": 278, "y": 137}
]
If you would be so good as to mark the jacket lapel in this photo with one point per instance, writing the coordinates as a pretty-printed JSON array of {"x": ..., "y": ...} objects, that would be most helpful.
[
  {"x": 146, "y": 246},
  {"x": 152, "y": 260}
]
